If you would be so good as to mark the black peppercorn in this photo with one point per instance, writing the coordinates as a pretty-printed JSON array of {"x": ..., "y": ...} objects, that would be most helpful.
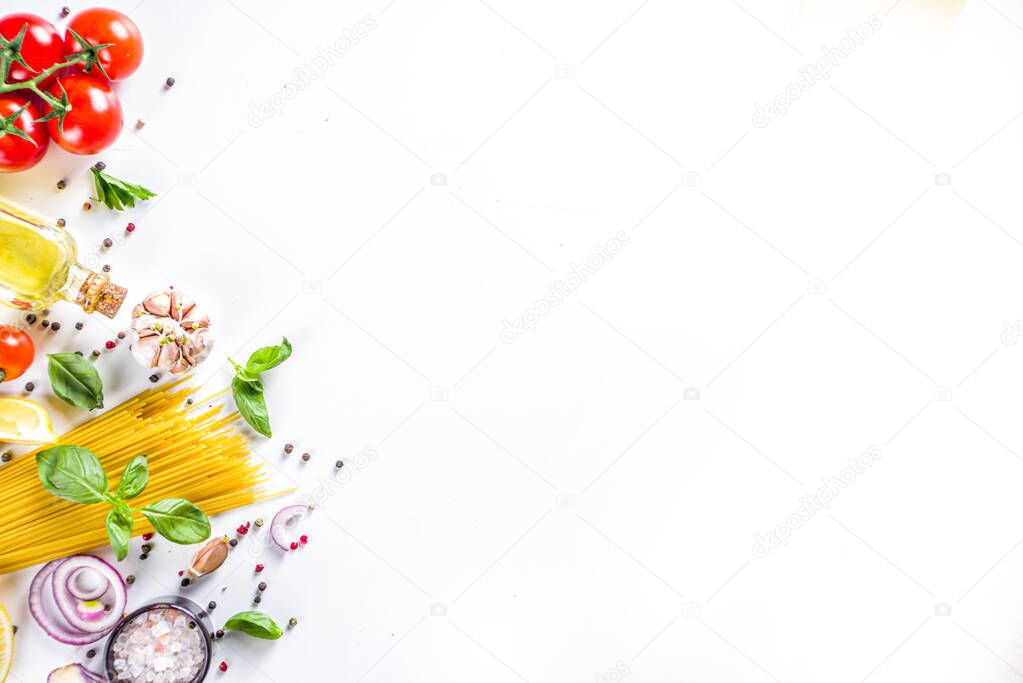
[
  {"x": 143, "y": 556},
  {"x": 305, "y": 457},
  {"x": 289, "y": 447},
  {"x": 55, "y": 327},
  {"x": 100, "y": 166},
  {"x": 79, "y": 325},
  {"x": 220, "y": 633},
  {"x": 90, "y": 654},
  {"x": 212, "y": 605},
  {"x": 61, "y": 222},
  {"x": 31, "y": 318},
  {"x": 107, "y": 242},
  {"x": 262, "y": 585},
  {"x": 170, "y": 82},
  {"x": 130, "y": 579},
  {"x": 61, "y": 184},
  {"x": 146, "y": 547},
  {"x": 7, "y": 456},
  {"x": 154, "y": 378},
  {"x": 233, "y": 542},
  {"x": 257, "y": 599},
  {"x": 30, "y": 387},
  {"x": 95, "y": 353},
  {"x": 185, "y": 581},
  {"x": 45, "y": 323},
  {"x": 121, "y": 335},
  {"x": 78, "y": 353},
  {"x": 106, "y": 267},
  {"x": 293, "y": 622},
  {"x": 339, "y": 464}
]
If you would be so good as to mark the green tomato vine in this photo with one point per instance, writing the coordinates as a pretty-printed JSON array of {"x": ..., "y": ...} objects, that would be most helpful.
[{"x": 10, "y": 54}]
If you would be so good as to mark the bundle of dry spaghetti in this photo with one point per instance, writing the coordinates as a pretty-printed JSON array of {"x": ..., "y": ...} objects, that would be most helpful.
[{"x": 194, "y": 453}]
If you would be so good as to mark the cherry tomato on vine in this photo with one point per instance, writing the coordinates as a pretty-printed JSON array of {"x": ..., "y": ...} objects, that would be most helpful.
[
  {"x": 95, "y": 119},
  {"x": 42, "y": 46},
  {"x": 99, "y": 26},
  {"x": 17, "y": 153},
  {"x": 16, "y": 352}
]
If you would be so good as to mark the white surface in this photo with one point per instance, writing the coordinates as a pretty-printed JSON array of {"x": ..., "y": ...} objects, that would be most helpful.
[{"x": 575, "y": 516}]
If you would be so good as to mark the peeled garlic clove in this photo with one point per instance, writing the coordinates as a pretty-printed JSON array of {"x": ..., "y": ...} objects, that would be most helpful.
[{"x": 210, "y": 557}]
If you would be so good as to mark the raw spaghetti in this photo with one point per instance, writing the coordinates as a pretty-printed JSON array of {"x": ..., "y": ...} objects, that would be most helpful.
[{"x": 194, "y": 453}]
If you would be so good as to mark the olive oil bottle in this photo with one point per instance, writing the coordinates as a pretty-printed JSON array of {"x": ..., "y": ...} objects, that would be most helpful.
[{"x": 39, "y": 266}]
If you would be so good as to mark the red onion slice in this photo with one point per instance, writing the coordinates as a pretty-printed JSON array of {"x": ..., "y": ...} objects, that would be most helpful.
[
  {"x": 68, "y": 603},
  {"x": 74, "y": 673},
  {"x": 64, "y": 623},
  {"x": 285, "y": 518},
  {"x": 78, "y": 586}
]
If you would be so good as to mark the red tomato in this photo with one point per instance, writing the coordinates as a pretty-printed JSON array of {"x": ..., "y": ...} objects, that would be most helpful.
[
  {"x": 16, "y": 352},
  {"x": 16, "y": 153},
  {"x": 100, "y": 25},
  {"x": 41, "y": 49},
  {"x": 95, "y": 119}
]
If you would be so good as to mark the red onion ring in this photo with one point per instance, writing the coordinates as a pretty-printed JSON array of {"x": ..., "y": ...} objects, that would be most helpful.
[
  {"x": 280, "y": 523},
  {"x": 75, "y": 588},
  {"x": 74, "y": 673},
  {"x": 67, "y": 626}
]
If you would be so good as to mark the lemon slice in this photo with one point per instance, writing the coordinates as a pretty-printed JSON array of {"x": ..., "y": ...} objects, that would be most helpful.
[
  {"x": 6, "y": 644},
  {"x": 24, "y": 421}
]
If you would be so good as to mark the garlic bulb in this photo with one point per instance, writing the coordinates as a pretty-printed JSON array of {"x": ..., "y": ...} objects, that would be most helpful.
[{"x": 170, "y": 332}]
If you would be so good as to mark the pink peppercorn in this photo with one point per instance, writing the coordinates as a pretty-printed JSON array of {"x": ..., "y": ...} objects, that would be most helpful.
[
  {"x": 294, "y": 546},
  {"x": 111, "y": 344},
  {"x": 130, "y": 228},
  {"x": 303, "y": 539}
]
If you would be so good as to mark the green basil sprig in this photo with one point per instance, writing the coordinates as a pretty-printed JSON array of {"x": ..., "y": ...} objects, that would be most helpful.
[
  {"x": 255, "y": 624},
  {"x": 247, "y": 386},
  {"x": 117, "y": 193},
  {"x": 75, "y": 473},
  {"x": 75, "y": 380}
]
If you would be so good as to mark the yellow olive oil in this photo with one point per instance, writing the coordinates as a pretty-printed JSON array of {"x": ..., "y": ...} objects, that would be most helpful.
[{"x": 38, "y": 266}]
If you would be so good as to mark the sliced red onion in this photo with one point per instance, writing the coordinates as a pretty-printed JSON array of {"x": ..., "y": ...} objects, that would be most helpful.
[
  {"x": 65, "y": 622},
  {"x": 86, "y": 584},
  {"x": 286, "y": 518},
  {"x": 74, "y": 673}
]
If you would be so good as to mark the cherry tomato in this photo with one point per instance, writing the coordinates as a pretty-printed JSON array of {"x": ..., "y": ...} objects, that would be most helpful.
[
  {"x": 17, "y": 153},
  {"x": 95, "y": 119},
  {"x": 41, "y": 49},
  {"x": 16, "y": 352},
  {"x": 100, "y": 25}
]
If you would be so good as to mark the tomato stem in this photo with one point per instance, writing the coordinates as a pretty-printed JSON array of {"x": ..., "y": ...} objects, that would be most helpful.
[{"x": 10, "y": 53}]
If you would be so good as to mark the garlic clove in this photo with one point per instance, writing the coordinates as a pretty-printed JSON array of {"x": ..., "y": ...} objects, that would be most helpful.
[{"x": 210, "y": 557}]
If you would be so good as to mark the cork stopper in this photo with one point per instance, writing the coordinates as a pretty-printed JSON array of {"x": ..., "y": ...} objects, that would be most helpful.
[
  {"x": 98, "y": 293},
  {"x": 111, "y": 297}
]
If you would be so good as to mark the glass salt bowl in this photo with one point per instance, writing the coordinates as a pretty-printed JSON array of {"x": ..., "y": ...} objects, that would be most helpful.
[{"x": 193, "y": 613}]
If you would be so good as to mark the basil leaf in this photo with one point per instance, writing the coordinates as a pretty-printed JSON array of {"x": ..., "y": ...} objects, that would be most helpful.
[
  {"x": 72, "y": 473},
  {"x": 178, "y": 521},
  {"x": 117, "y": 193},
  {"x": 75, "y": 380},
  {"x": 248, "y": 396},
  {"x": 268, "y": 357},
  {"x": 135, "y": 478},
  {"x": 119, "y": 527},
  {"x": 255, "y": 624}
]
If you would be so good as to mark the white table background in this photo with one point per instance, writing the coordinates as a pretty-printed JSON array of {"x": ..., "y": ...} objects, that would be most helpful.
[{"x": 580, "y": 503}]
